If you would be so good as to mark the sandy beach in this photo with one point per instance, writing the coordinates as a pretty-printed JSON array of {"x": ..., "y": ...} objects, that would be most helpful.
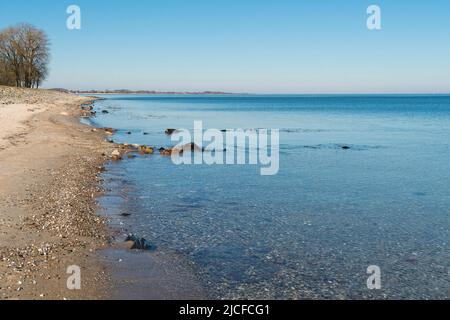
[{"x": 49, "y": 166}]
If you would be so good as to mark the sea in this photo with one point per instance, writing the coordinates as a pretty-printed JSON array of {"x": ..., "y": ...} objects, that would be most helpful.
[{"x": 359, "y": 208}]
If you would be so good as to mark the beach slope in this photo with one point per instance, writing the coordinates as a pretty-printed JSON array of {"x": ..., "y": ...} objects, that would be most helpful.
[{"x": 49, "y": 166}]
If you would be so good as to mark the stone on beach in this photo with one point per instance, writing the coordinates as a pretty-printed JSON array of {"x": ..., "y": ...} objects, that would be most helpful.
[
  {"x": 57, "y": 223},
  {"x": 109, "y": 131},
  {"x": 87, "y": 114},
  {"x": 116, "y": 155},
  {"x": 87, "y": 107}
]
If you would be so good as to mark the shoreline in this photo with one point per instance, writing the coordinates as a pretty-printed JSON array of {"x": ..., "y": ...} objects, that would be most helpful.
[
  {"x": 50, "y": 164},
  {"x": 156, "y": 273},
  {"x": 52, "y": 182},
  {"x": 51, "y": 217}
]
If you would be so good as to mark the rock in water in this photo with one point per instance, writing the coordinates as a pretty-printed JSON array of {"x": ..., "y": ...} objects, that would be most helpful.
[
  {"x": 146, "y": 150},
  {"x": 170, "y": 132},
  {"x": 140, "y": 243},
  {"x": 188, "y": 147},
  {"x": 192, "y": 147},
  {"x": 165, "y": 152}
]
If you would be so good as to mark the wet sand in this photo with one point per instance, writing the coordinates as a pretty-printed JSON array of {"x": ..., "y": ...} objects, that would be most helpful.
[
  {"x": 145, "y": 275},
  {"x": 49, "y": 166}
]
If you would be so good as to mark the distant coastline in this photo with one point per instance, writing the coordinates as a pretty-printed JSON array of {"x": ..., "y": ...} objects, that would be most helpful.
[
  {"x": 125, "y": 91},
  {"x": 154, "y": 92}
]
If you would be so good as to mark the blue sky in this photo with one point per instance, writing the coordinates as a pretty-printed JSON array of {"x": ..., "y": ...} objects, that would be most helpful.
[{"x": 264, "y": 46}]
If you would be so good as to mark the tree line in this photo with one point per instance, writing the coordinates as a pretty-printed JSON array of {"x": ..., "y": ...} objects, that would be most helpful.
[{"x": 24, "y": 56}]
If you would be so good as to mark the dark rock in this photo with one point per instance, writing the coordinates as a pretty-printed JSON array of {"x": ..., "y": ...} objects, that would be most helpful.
[
  {"x": 165, "y": 152},
  {"x": 171, "y": 131},
  {"x": 129, "y": 132},
  {"x": 140, "y": 243},
  {"x": 105, "y": 111},
  {"x": 189, "y": 147},
  {"x": 109, "y": 130},
  {"x": 412, "y": 260},
  {"x": 87, "y": 107},
  {"x": 125, "y": 214},
  {"x": 345, "y": 147}
]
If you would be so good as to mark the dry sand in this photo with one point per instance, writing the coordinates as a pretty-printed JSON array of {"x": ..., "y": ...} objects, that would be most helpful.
[{"x": 49, "y": 166}]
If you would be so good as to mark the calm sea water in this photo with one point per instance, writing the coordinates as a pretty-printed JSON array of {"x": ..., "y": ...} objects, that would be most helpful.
[{"x": 312, "y": 230}]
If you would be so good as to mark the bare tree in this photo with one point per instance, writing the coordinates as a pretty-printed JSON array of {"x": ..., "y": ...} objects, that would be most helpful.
[
  {"x": 7, "y": 77},
  {"x": 9, "y": 53},
  {"x": 24, "y": 51}
]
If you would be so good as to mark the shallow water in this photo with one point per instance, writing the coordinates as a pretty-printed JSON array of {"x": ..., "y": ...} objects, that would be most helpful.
[{"x": 312, "y": 230}]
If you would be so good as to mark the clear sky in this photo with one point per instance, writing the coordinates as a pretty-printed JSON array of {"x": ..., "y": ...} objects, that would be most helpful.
[{"x": 265, "y": 46}]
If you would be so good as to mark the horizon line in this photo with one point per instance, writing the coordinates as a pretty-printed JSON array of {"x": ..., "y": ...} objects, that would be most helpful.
[{"x": 220, "y": 92}]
